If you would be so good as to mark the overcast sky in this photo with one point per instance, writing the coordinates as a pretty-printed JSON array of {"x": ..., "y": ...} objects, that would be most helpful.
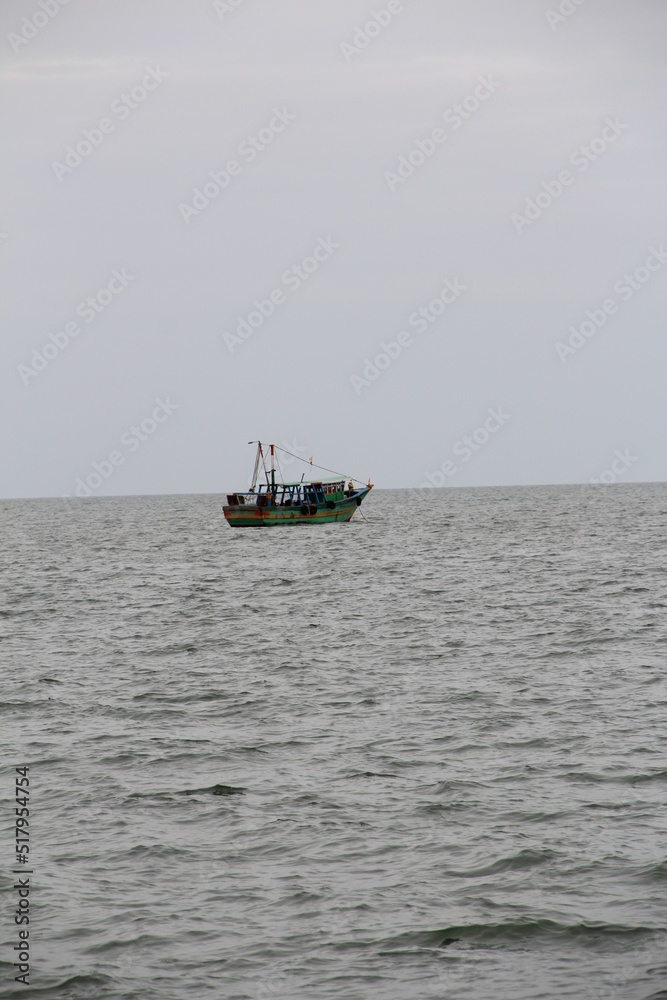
[{"x": 434, "y": 250}]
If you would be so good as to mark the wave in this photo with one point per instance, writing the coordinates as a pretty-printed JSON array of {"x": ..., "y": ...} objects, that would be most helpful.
[
  {"x": 516, "y": 862},
  {"x": 214, "y": 790},
  {"x": 74, "y": 988},
  {"x": 517, "y": 932}
]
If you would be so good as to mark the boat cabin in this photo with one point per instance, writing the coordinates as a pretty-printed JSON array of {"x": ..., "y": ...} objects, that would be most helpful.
[{"x": 294, "y": 494}]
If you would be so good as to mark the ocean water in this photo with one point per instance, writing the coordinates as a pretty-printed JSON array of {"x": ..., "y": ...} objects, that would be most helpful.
[{"x": 422, "y": 755}]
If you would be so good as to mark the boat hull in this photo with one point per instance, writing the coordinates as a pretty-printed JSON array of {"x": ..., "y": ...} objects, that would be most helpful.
[{"x": 247, "y": 516}]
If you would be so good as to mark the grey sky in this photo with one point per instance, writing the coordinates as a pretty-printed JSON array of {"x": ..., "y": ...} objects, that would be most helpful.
[{"x": 332, "y": 125}]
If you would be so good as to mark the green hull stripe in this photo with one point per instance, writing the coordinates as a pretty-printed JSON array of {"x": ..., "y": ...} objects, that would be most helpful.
[{"x": 267, "y": 517}]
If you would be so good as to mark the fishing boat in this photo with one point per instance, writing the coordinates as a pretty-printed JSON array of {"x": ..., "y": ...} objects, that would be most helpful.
[{"x": 308, "y": 501}]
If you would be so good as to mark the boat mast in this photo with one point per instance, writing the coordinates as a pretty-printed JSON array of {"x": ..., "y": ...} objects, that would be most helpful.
[
  {"x": 255, "y": 471},
  {"x": 273, "y": 472},
  {"x": 260, "y": 458}
]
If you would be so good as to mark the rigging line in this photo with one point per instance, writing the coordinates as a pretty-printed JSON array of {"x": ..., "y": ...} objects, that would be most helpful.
[
  {"x": 264, "y": 463},
  {"x": 322, "y": 467},
  {"x": 255, "y": 473}
]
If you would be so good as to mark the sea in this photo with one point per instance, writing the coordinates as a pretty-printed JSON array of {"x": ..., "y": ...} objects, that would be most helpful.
[{"x": 421, "y": 755}]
